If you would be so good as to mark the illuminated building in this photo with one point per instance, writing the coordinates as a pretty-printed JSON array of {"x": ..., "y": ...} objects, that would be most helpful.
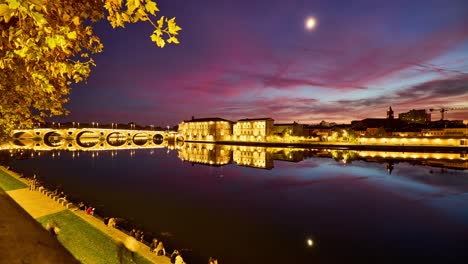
[
  {"x": 206, "y": 129},
  {"x": 252, "y": 129},
  {"x": 415, "y": 116},
  {"x": 445, "y": 132}
]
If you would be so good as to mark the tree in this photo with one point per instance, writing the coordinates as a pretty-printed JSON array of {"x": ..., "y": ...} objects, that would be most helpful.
[{"x": 46, "y": 46}]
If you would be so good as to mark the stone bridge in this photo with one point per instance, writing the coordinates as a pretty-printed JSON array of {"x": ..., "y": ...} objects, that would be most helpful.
[{"x": 90, "y": 138}]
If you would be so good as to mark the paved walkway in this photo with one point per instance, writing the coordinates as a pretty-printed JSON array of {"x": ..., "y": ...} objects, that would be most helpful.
[
  {"x": 35, "y": 203},
  {"x": 39, "y": 205},
  {"x": 23, "y": 240}
]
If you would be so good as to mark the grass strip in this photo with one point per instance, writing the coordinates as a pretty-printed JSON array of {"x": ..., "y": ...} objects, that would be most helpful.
[
  {"x": 8, "y": 182},
  {"x": 88, "y": 244}
]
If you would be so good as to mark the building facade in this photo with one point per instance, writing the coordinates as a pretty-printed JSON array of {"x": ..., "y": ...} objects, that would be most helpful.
[
  {"x": 206, "y": 129},
  {"x": 415, "y": 116},
  {"x": 256, "y": 130},
  {"x": 445, "y": 132}
]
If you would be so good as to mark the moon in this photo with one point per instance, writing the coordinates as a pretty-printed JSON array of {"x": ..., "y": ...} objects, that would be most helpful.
[
  {"x": 310, "y": 242},
  {"x": 310, "y": 23}
]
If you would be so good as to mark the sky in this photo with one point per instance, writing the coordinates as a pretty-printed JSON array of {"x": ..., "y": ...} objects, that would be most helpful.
[{"x": 248, "y": 59}]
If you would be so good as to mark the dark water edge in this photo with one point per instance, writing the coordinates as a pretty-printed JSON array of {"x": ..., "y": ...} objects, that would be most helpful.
[{"x": 354, "y": 213}]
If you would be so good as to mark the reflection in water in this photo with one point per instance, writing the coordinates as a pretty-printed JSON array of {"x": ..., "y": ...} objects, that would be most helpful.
[
  {"x": 263, "y": 157},
  {"x": 255, "y": 156},
  {"x": 87, "y": 139},
  {"x": 53, "y": 139},
  {"x": 117, "y": 139},
  {"x": 314, "y": 206},
  {"x": 140, "y": 139}
]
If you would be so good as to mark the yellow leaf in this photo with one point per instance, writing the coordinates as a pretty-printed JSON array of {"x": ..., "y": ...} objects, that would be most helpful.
[
  {"x": 51, "y": 42},
  {"x": 132, "y": 5},
  {"x": 158, "y": 40},
  {"x": 172, "y": 27},
  {"x": 151, "y": 7},
  {"x": 39, "y": 18},
  {"x": 4, "y": 9},
  {"x": 13, "y": 4},
  {"x": 161, "y": 22},
  {"x": 174, "y": 40},
  {"x": 76, "y": 21},
  {"x": 72, "y": 35}
]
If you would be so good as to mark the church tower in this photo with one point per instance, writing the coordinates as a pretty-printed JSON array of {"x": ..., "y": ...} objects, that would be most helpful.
[{"x": 390, "y": 113}]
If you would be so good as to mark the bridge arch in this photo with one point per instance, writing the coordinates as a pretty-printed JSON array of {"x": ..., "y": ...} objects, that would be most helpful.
[
  {"x": 53, "y": 139},
  {"x": 87, "y": 139},
  {"x": 158, "y": 139}
]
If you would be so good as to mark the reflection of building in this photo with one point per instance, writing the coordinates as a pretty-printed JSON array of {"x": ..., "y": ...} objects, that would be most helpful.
[
  {"x": 286, "y": 154},
  {"x": 206, "y": 129},
  {"x": 292, "y": 129},
  {"x": 252, "y": 129},
  {"x": 415, "y": 116},
  {"x": 257, "y": 157},
  {"x": 216, "y": 155}
]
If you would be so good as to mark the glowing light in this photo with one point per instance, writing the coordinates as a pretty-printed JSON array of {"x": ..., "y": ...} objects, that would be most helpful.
[
  {"x": 310, "y": 242},
  {"x": 310, "y": 23}
]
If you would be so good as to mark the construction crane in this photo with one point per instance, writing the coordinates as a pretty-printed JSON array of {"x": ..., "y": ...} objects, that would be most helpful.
[{"x": 446, "y": 109}]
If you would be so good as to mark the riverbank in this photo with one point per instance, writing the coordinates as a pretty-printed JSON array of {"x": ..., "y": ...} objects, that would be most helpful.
[
  {"x": 340, "y": 146},
  {"x": 86, "y": 237}
]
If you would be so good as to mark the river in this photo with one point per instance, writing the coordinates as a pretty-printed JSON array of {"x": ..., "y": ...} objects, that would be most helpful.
[{"x": 272, "y": 205}]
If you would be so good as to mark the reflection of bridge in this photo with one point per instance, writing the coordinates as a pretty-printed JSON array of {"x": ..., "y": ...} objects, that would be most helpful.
[{"x": 89, "y": 139}]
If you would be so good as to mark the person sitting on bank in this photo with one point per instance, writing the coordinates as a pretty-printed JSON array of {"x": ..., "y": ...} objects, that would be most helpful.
[
  {"x": 133, "y": 233},
  {"x": 112, "y": 222},
  {"x": 179, "y": 260},
  {"x": 160, "y": 251},
  {"x": 212, "y": 261},
  {"x": 81, "y": 206},
  {"x": 53, "y": 228},
  {"x": 153, "y": 244},
  {"x": 174, "y": 255},
  {"x": 90, "y": 210}
]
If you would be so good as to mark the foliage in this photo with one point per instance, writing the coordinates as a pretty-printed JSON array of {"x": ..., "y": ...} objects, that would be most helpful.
[{"x": 46, "y": 46}]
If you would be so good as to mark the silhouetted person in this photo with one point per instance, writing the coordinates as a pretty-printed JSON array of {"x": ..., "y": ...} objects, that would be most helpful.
[
  {"x": 160, "y": 251},
  {"x": 153, "y": 244},
  {"x": 53, "y": 228},
  {"x": 174, "y": 255}
]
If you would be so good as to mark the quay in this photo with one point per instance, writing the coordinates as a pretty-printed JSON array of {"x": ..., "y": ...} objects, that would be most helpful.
[{"x": 82, "y": 238}]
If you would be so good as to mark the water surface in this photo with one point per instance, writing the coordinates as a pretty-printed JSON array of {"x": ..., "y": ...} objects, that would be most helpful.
[{"x": 355, "y": 207}]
